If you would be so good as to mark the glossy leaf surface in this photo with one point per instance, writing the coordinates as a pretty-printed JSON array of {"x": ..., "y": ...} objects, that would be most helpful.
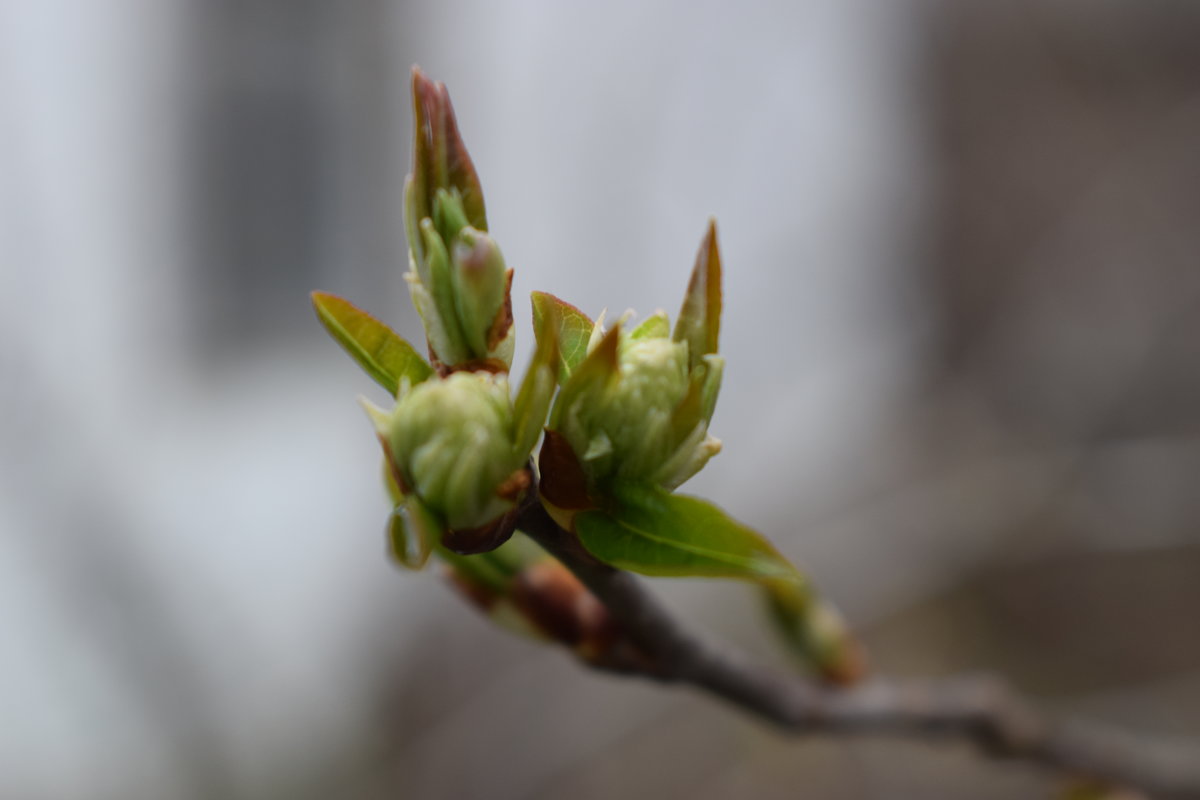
[
  {"x": 653, "y": 532},
  {"x": 574, "y": 330},
  {"x": 378, "y": 350}
]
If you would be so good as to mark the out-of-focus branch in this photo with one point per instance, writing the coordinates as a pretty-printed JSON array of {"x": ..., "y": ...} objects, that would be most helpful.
[{"x": 981, "y": 709}]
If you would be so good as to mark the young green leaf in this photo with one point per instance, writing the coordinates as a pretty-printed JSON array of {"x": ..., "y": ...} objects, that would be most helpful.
[
  {"x": 378, "y": 350},
  {"x": 537, "y": 389},
  {"x": 816, "y": 632},
  {"x": 480, "y": 283},
  {"x": 412, "y": 531},
  {"x": 445, "y": 334},
  {"x": 594, "y": 374},
  {"x": 655, "y": 326},
  {"x": 574, "y": 330},
  {"x": 699, "y": 322},
  {"x": 653, "y": 532},
  {"x": 448, "y": 215}
]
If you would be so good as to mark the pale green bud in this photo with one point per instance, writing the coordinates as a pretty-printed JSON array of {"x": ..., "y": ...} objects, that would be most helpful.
[
  {"x": 460, "y": 286},
  {"x": 452, "y": 442},
  {"x": 636, "y": 408},
  {"x": 648, "y": 420}
]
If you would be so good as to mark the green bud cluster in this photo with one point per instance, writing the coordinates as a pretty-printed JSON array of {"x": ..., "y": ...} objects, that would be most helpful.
[
  {"x": 636, "y": 408},
  {"x": 629, "y": 410},
  {"x": 648, "y": 421}
]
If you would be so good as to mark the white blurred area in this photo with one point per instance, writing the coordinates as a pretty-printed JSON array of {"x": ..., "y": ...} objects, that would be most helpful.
[{"x": 194, "y": 597}]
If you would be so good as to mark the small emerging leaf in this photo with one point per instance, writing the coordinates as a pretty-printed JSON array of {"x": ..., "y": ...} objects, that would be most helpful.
[
  {"x": 590, "y": 379},
  {"x": 713, "y": 368},
  {"x": 448, "y": 215},
  {"x": 816, "y": 632},
  {"x": 412, "y": 530},
  {"x": 480, "y": 283},
  {"x": 444, "y": 331},
  {"x": 563, "y": 485},
  {"x": 378, "y": 350},
  {"x": 537, "y": 389},
  {"x": 440, "y": 159},
  {"x": 699, "y": 322},
  {"x": 656, "y": 326},
  {"x": 574, "y": 329}
]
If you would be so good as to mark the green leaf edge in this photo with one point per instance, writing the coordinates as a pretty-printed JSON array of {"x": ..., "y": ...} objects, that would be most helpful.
[
  {"x": 699, "y": 320},
  {"x": 388, "y": 360},
  {"x": 768, "y": 567},
  {"x": 574, "y": 330},
  {"x": 536, "y": 393}
]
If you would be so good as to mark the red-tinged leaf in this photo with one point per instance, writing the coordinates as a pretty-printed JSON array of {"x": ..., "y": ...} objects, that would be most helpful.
[
  {"x": 502, "y": 324},
  {"x": 378, "y": 350},
  {"x": 482, "y": 539},
  {"x": 699, "y": 322},
  {"x": 574, "y": 330},
  {"x": 563, "y": 482},
  {"x": 440, "y": 158}
]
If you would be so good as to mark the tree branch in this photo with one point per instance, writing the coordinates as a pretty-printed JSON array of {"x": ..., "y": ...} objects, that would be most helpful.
[{"x": 981, "y": 709}]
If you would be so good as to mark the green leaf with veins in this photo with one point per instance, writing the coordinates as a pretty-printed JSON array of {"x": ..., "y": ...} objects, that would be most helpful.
[
  {"x": 574, "y": 330},
  {"x": 653, "y": 532},
  {"x": 378, "y": 350}
]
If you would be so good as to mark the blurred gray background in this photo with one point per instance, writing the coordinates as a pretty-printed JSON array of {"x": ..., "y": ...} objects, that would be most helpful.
[{"x": 962, "y": 244}]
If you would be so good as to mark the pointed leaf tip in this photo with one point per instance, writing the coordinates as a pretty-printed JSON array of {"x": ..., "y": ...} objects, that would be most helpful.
[
  {"x": 412, "y": 530},
  {"x": 440, "y": 158},
  {"x": 374, "y": 346},
  {"x": 380, "y": 418},
  {"x": 605, "y": 353},
  {"x": 593, "y": 375},
  {"x": 654, "y": 532},
  {"x": 537, "y": 389},
  {"x": 574, "y": 329},
  {"x": 699, "y": 322}
]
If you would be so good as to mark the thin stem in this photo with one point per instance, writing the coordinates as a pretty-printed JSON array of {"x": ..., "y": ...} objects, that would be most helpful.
[{"x": 982, "y": 709}]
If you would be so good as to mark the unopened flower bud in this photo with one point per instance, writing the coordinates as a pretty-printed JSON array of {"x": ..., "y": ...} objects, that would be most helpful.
[
  {"x": 457, "y": 276},
  {"x": 649, "y": 422},
  {"x": 637, "y": 408},
  {"x": 481, "y": 295},
  {"x": 451, "y": 441}
]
